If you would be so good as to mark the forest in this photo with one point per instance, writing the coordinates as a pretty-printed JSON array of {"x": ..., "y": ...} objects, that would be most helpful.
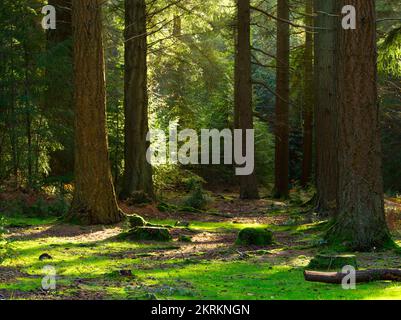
[{"x": 200, "y": 150}]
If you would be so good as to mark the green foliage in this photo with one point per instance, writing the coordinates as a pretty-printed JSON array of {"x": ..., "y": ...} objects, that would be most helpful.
[
  {"x": 264, "y": 154},
  {"x": 4, "y": 246},
  {"x": 41, "y": 207},
  {"x": 193, "y": 182},
  {"x": 389, "y": 65},
  {"x": 27, "y": 134},
  {"x": 114, "y": 55},
  {"x": 166, "y": 177},
  {"x": 301, "y": 195},
  {"x": 389, "y": 61},
  {"x": 172, "y": 177},
  {"x": 197, "y": 197},
  {"x": 191, "y": 69}
]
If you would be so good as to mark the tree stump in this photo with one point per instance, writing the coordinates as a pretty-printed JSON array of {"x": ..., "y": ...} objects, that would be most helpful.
[
  {"x": 136, "y": 221},
  {"x": 255, "y": 236},
  {"x": 149, "y": 234}
]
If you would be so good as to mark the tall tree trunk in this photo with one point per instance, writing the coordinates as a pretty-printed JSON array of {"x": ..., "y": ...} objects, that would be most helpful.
[
  {"x": 282, "y": 101},
  {"x": 28, "y": 116},
  {"x": 138, "y": 172},
  {"x": 243, "y": 90},
  {"x": 360, "y": 222},
  {"x": 325, "y": 78},
  {"x": 94, "y": 200},
  {"x": 13, "y": 124},
  {"x": 117, "y": 148},
  {"x": 3, "y": 111},
  {"x": 307, "y": 111}
]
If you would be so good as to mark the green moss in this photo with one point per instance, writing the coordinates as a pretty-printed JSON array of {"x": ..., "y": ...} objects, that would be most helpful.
[
  {"x": 85, "y": 268},
  {"x": 149, "y": 234},
  {"x": 332, "y": 262},
  {"x": 197, "y": 198},
  {"x": 312, "y": 227},
  {"x": 211, "y": 226},
  {"x": 23, "y": 222},
  {"x": 346, "y": 239},
  {"x": 255, "y": 236},
  {"x": 136, "y": 221}
]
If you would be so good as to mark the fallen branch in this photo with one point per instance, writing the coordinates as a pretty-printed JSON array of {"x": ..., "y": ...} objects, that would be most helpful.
[{"x": 360, "y": 276}]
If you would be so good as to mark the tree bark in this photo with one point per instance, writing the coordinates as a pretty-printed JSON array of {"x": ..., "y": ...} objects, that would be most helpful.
[
  {"x": 243, "y": 90},
  {"x": 325, "y": 103},
  {"x": 138, "y": 171},
  {"x": 282, "y": 101},
  {"x": 360, "y": 223},
  {"x": 94, "y": 200},
  {"x": 307, "y": 147},
  {"x": 360, "y": 276},
  {"x": 28, "y": 115}
]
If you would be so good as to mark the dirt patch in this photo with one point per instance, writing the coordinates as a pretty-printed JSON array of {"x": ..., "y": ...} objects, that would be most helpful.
[
  {"x": 9, "y": 274},
  {"x": 65, "y": 231}
]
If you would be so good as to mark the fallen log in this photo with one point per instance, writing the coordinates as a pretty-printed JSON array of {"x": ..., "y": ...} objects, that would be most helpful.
[{"x": 360, "y": 276}]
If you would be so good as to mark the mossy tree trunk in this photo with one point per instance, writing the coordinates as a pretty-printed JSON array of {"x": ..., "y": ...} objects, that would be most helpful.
[
  {"x": 307, "y": 112},
  {"x": 243, "y": 90},
  {"x": 360, "y": 222},
  {"x": 94, "y": 200},
  {"x": 138, "y": 172}
]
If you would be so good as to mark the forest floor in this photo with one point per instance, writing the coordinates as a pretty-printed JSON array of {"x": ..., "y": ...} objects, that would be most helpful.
[{"x": 93, "y": 263}]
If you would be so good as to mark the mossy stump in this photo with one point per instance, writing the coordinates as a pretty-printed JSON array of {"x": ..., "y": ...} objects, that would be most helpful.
[
  {"x": 149, "y": 234},
  {"x": 332, "y": 262},
  {"x": 136, "y": 221},
  {"x": 255, "y": 236}
]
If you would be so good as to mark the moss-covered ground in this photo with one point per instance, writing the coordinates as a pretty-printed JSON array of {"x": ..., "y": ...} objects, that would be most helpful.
[{"x": 94, "y": 263}]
